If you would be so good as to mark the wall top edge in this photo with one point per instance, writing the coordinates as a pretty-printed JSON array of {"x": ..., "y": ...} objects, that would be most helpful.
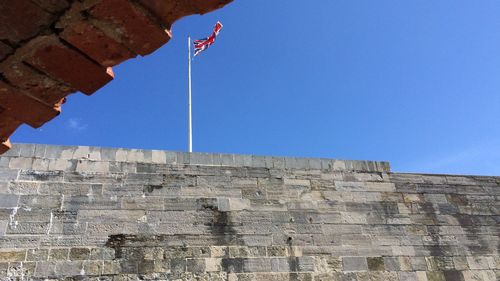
[{"x": 184, "y": 158}]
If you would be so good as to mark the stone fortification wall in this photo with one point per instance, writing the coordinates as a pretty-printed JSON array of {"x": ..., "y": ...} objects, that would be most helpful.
[{"x": 80, "y": 213}]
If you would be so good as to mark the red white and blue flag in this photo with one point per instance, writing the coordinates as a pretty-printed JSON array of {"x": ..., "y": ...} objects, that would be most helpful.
[{"x": 203, "y": 44}]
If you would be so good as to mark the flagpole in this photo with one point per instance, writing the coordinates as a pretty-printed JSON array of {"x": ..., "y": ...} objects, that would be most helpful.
[{"x": 190, "y": 118}]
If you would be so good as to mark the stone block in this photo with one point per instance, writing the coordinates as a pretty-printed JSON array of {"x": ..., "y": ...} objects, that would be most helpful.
[
  {"x": 40, "y": 201},
  {"x": 30, "y": 175},
  {"x": 69, "y": 268},
  {"x": 435, "y": 276},
  {"x": 37, "y": 254},
  {"x": 159, "y": 157},
  {"x": 58, "y": 254},
  {"x": 40, "y": 164},
  {"x": 375, "y": 263},
  {"x": 421, "y": 276},
  {"x": 92, "y": 268},
  {"x": 478, "y": 262},
  {"x": 9, "y": 200},
  {"x": 79, "y": 253},
  {"x": 232, "y": 204},
  {"x": 45, "y": 269},
  {"x": 25, "y": 228},
  {"x": 92, "y": 166},
  {"x": 354, "y": 264},
  {"x": 24, "y": 187},
  {"x": 111, "y": 267},
  {"x": 21, "y": 163},
  {"x": 12, "y": 255},
  {"x": 195, "y": 265},
  {"x": 408, "y": 276}
]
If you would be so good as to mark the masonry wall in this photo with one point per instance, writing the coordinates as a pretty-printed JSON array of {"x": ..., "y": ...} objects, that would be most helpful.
[{"x": 82, "y": 213}]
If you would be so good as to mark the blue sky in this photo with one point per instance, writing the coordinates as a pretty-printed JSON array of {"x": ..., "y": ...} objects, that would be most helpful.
[{"x": 415, "y": 83}]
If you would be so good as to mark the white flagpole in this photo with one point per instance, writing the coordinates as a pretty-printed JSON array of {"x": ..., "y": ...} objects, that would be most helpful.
[{"x": 190, "y": 137}]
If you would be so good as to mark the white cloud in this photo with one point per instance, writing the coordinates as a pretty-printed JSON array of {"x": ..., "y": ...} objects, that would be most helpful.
[{"x": 76, "y": 125}]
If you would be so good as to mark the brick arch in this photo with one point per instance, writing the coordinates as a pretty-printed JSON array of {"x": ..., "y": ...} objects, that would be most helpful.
[{"x": 50, "y": 49}]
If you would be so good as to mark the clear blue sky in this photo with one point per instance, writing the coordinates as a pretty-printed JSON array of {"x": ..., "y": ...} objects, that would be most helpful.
[{"x": 415, "y": 83}]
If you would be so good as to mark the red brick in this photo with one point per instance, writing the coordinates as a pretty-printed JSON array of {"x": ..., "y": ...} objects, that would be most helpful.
[
  {"x": 5, "y": 145},
  {"x": 21, "y": 19},
  {"x": 170, "y": 11},
  {"x": 52, "y": 6},
  {"x": 50, "y": 56},
  {"x": 163, "y": 10},
  {"x": 35, "y": 83},
  {"x": 8, "y": 125},
  {"x": 96, "y": 44},
  {"x": 4, "y": 50},
  {"x": 139, "y": 31},
  {"x": 25, "y": 108}
]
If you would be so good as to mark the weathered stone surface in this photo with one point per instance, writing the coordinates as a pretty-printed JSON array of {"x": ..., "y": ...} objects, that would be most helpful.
[{"x": 130, "y": 213}]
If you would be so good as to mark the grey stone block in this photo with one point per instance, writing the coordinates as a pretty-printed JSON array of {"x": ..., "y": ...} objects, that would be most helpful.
[
  {"x": 27, "y": 150},
  {"x": 243, "y": 160},
  {"x": 182, "y": 158},
  {"x": 201, "y": 159},
  {"x": 40, "y": 164},
  {"x": 4, "y": 162},
  {"x": 37, "y": 255},
  {"x": 259, "y": 161},
  {"x": 9, "y": 200},
  {"x": 14, "y": 151},
  {"x": 21, "y": 163},
  {"x": 354, "y": 264},
  {"x": 45, "y": 269},
  {"x": 69, "y": 268},
  {"x": 227, "y": 159}
]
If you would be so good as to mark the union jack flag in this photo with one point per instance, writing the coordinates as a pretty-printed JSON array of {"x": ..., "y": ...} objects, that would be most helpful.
[{"x": 203, "y": 44}]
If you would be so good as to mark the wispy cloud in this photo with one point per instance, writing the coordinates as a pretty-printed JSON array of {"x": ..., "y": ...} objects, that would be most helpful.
[
  {"x": 76, "y": 125},
  {"x": 480, "y": 159}
]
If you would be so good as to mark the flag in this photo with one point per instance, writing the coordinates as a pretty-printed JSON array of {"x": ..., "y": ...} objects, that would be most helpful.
[{"x": 203, "y": 44}]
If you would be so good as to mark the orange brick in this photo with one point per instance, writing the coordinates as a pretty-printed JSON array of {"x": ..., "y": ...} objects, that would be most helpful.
[
  {"x": 49, "y": 55},
  {"x": 8, "y": 125},
  {"x": 34, "y": 83},
  {"x": 96, "y": 44},
  {"x": 140, "y": 31},
  {"x": 4, "y": 50},
  {"x": 5, "y": 145},
  {"x": 25, "y": 108},
  {"x": 53, "y": 6},
  {"x": 170, "y": 11},
  {"x": 21, "y": 19}
]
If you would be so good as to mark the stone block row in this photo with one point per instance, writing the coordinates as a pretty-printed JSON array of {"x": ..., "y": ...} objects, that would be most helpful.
[
  {"x": 52, "y": 48},
  {"x": 108, "y": 160}
]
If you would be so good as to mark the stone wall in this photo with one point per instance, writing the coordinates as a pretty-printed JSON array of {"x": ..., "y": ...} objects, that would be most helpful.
[{"x": 83, "y": 213}]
